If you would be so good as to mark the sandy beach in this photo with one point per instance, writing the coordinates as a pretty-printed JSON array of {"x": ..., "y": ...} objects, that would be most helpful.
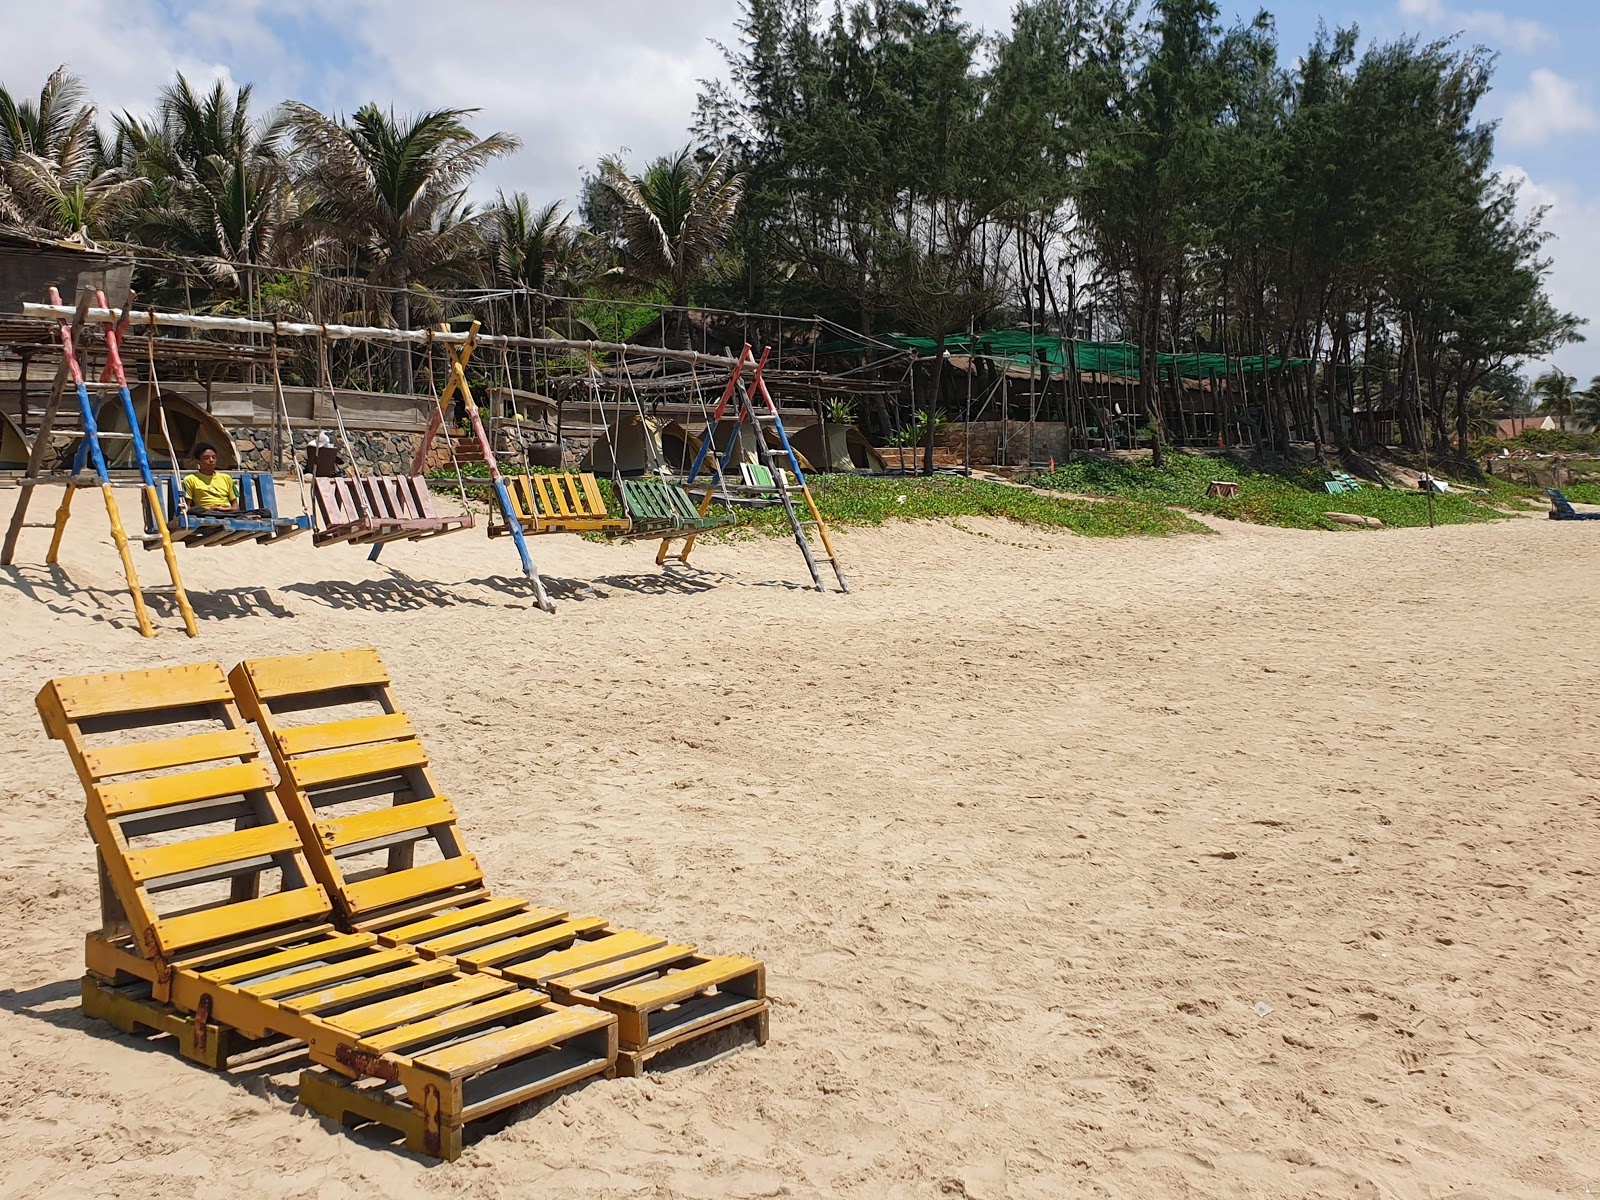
[{"x": 1260, "y": 864}]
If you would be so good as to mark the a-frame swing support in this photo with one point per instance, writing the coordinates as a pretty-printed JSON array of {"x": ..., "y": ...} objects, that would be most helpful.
[
  {"x": 71, "y": 369},
  {"x": 758, "y": 419},
  {"x": 459, "y": 355}
]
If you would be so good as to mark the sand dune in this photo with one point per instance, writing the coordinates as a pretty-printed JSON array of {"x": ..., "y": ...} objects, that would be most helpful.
[{"x": 1254, "y": 865}]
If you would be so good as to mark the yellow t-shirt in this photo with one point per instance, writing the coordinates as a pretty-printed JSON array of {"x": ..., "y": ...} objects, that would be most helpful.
[{"x": 214, "y": 491}]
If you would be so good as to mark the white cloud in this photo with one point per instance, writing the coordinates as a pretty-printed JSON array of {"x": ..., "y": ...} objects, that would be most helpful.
[
  {"x": 1515, "y": 32},
  {"x": 1551, "y": 106},
  {"x": 1574, "y": 219}
]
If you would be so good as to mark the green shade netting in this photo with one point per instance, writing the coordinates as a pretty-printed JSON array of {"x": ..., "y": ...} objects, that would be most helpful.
[{"x": 1015, "y": 347}]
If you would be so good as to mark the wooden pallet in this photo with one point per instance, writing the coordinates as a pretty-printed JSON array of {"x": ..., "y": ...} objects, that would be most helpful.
[
  {"x": 422, "y": 1046},
  {"x": 443, "y": 909},
  {"x": 669, "y": 996}
]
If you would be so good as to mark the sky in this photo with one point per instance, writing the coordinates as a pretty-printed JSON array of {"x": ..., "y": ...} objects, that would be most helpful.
[{"x": 576, "y": 81}]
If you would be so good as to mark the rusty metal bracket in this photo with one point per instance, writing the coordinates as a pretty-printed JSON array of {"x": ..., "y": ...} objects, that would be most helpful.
[
  {"x": 432, "y": 1134},
  {"x": 366, "y": 1062},
  {"x": 202, "y": 1022}
]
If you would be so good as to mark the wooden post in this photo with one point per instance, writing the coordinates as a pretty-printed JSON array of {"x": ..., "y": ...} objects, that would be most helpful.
[{"x": 41, "y": 440}]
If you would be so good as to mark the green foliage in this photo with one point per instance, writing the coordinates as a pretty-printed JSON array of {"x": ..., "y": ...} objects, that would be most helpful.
[
  {"x": 1582, "y": 493},
  {"x": 847, "y": 500},
  {"x": 1546, "y": 441},
  {"x": 1293, "y": 498}
]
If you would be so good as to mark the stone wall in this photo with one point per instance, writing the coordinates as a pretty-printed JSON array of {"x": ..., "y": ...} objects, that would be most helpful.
[{"x": 379, "y": 452}]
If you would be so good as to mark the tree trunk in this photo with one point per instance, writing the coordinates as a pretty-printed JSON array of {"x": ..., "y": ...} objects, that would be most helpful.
[{"x": 400, "y": 356}]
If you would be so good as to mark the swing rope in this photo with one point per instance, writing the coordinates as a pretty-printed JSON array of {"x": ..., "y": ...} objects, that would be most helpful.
[
  {"x": 288, "y": 430},
  {"x": 338, "y": 417},
  {"x": 450, "y": 442}
]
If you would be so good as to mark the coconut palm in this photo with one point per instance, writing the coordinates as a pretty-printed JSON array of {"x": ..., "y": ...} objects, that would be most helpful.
[
  {"x": 537, "y": 249},
  {"x": 221, "y": 193},
  {"x": 390, "y": 189},
  {"x": 1586, "y": 404},
  {"x": 675, "y": 220},
  {"x": 1556, "y": 394},
  {"x": 51, "y": 163}
]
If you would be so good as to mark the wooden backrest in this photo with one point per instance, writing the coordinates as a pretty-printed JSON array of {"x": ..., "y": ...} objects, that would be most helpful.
[
  {"x": 194, "y": 846},
  {"x": 571, "y": 496},
  {"x": 520, "y": 488},
  {"x": 355, "y": 780},
  {"x": 1561, "y": 503},
  {"x": 421, "y": 496},
  {"x": 336, "y": 501}
]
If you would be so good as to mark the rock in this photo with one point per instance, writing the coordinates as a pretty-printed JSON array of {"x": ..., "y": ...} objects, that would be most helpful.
[{"x": 1355, "y": 519}]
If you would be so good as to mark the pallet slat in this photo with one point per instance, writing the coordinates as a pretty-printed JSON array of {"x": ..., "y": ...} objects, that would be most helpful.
[
  {"x": 362, "y": 762},
  {"x": 142, "y": 795},
  {"x": 491, "y": 1049},
  {"x": 87, "y": 696},
  {"x": 254, "y": 968},
  {"x": 422, "y": 1005},
  {"x": 357, "y": 990},
  {"x": 160, "y": 862},
  {"x": 338, "y": 735},
  {"x": 325, "y": 975},
  {"x": 169, "y": 752},
  {"x": 295, "y": 674},
  {"x": 618, "y": 944},
  {"x": 372, "y": 894},
  {"x": 680, "y": 985},
  {"x": 460, "y": 918},
  {"x": 532, "y": 943},
  {"x": 241, "y": 917},
  {"x": 384, "y": 822}
]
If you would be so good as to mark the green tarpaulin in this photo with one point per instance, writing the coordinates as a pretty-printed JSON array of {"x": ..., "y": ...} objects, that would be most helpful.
[{"x": 1018, "y": 348}]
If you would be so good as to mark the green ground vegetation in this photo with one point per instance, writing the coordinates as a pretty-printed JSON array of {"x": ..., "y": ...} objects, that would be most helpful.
[
  {"x": 852, "y": 500},
  {"x": 1292, "y": 497}
]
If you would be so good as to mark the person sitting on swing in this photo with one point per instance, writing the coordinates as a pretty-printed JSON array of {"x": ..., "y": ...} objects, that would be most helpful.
[{"x": 210, "y": 492}]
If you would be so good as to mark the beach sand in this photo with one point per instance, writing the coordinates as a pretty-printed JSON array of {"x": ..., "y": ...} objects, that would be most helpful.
[{"x": 1253, "y": 865}]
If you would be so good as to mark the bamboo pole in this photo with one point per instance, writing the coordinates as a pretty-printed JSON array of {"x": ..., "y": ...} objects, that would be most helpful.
[{"x": 152, "y": 319}]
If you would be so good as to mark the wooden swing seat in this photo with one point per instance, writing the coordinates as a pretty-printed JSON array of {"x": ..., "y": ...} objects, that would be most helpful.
[
  {"x": 558, "y": 504},
  {"x": 215, "y": 930},
  {"x": 657, "y": 507},
  {"x": 196, "y": 527},
  {"x": 356, "y": 783},
  {"x": 379, "y": 508}
]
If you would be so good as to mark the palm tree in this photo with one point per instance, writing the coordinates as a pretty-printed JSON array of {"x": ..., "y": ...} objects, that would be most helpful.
[
  {"x": 675, "y": 219},
  {"x": 391, "y": 190},
  {"x": 51, "y": 163},
  {"x": 1586, "y": 404},
  {"x": 534, "y": 249},
  {"x": 221, "y": 193},
  {"x": 1556, "y": 395}
]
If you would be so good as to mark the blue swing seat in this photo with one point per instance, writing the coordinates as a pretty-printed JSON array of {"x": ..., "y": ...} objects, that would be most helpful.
[
  {"x": 1563, "y": 510},
  {"x": 192, "y": 527}
]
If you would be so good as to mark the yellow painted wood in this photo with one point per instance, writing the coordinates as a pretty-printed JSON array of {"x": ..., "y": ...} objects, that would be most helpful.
[
  {"x": 364, "y": 762},
  {"x": 618, "y": 944},
  {"x": 530, "y": 944},
  {"x": 282, "y": 960},
  {"x": 493, "y": 931},
  {"x": 62, "y": 514},
  {"x": 397, "y": 818},
  {"x": 153, "y": 499},
  {"x": 461, "y": 918},
  {"x": 142, "y": 795},
  {"x": 384, "y": 890},
  {"x": 167, "y": 753},
  {"x": 492, "y": 1049},
  {"x": 158, "y": 862},
  {"x": 338, "y": 735},
  {"x": 129, "y": 571},
  {"x": 241, "y": 917},
  {"x": 141, "y": 691},
  {"x": 366, "y": 964},
  {"x": 596, "y": 979},
  {"x": 680, "y": 985},
  {"x": 504, "y": 1007},
  {"x": 297, "y": 674},
  {"x": 386, "y": 1014},
  {"x": 409, "y": 977}
]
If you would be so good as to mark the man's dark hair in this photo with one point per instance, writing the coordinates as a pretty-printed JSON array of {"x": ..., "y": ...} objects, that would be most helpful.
[{"x": 201, "y": 447}]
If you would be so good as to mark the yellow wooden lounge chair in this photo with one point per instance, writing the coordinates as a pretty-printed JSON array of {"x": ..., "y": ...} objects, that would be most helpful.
[
  {"x": 360, "y": 789},
  {"x": 214, "y": 928}
]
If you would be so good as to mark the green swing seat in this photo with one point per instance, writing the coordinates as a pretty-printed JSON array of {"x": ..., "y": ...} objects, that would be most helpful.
[{"x": 657, "y": 508}]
